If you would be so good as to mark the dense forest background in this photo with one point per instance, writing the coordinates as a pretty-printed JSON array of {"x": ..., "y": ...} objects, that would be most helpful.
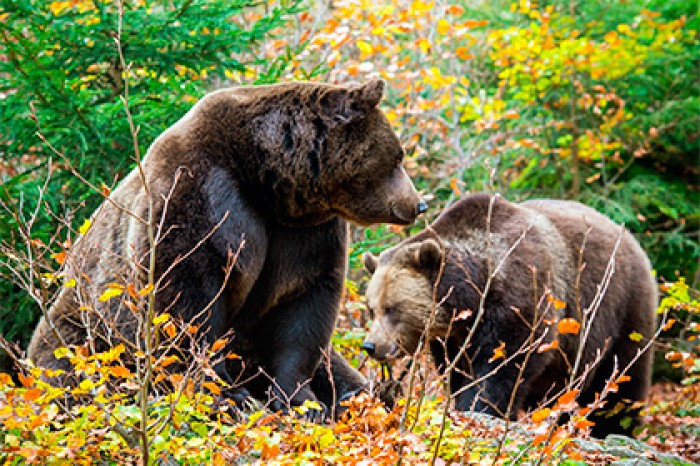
[{"x": 596, "y": 101}]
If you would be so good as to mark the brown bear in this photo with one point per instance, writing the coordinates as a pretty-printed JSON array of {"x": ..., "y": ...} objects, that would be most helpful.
[
  {"x": 527, "y": 266},
  {"x": 272, "y": 172}
]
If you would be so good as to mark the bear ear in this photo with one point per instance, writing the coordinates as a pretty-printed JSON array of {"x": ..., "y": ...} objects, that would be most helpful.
[
  {"x": 343, "y": 106},
  {"x": 428, "y": 254},
  {"x": 370, "y": 261},
  {"x": 369, "y": 94}
]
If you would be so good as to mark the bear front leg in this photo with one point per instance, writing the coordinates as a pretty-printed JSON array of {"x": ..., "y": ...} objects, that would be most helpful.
[
  {"x": 335, "y": 381},
  {"x": 296, "y": 334},
  {"x": 489, "y": 388}
]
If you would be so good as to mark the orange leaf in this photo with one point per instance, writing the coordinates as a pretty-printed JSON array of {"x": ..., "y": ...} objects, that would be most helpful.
[
  {"x": 548, "y": 346},
  {"x": 539, "y": 439},
  {"x": 499, "y": 352},
  {"x": 212, "y": 387},
  {"x": 623, "y": 378},
  {"x": 131, "y": 289},
  {"x": 25, "y": 381},
  {"x": 540, "y": 415},
  {"x": 568, "y": 325},
  {"x": 463, "y": 53},
  {"x": 147, "y": 289},
  {"x": 558, "y": 303},
  {"x": 454, "y": 10},
  {"x": 6, "y": 380},
  {"x": 60, "y": 257},
  {"x": 32, "y": 394},
  {"x": 168, "y": 360},
  {"x": 170, "y": 329},
  {"x": 119, "y": 371},
  {"x": 669, "y": 324},
  {"x": 218, "y": 344},
  {"x": 567, "y": 398},
  {"x": 584, "y": 423}
]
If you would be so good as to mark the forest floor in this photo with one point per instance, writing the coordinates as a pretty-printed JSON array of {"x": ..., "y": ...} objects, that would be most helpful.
[{"x": 672, "y": 426}]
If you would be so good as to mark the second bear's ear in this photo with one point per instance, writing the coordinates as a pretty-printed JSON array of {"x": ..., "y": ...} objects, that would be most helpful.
[
  {"x": 428, "y": 254},
  {"x": 370, "y": 261},
  {"x": 343, "y": 106}
]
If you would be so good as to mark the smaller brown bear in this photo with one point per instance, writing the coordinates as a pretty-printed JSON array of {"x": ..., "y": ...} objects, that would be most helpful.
[{"x": 527, "y": 266}]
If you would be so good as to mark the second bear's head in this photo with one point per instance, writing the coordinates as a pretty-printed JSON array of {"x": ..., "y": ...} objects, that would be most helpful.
[
  {"x": 316, "y": 150},
  {"x": 400, "y": 297}
]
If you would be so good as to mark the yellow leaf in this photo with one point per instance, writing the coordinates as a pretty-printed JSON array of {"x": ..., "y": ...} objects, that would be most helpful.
[
  {"x": 365, "y": 47},
  {"x": 146, "y": 289},
  {"x": 443, "y": 26},
  {"x": 63, "y": 352},
  {"x": 70, "y": 283},
  {"x": 85, "y": 226},
  {"x": 612, "y": 38},
  {"x": 109, "y": 293},
  {"x": 424, "y": 45},
  {"x": 87, "y": 384},
  {"x": 161, "y": 319},
  {"x": 636, "y": 336},
  {"x": 568, "y": 325},
  {"x": 540, "y": 415}
]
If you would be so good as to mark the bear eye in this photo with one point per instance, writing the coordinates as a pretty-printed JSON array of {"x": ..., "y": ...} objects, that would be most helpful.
[{"x": 388, "y": 311}]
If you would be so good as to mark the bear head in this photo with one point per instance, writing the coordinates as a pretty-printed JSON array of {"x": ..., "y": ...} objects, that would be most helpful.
[
  {"x": 313, "y": 151},
  {"x": 401, "y": 298}
]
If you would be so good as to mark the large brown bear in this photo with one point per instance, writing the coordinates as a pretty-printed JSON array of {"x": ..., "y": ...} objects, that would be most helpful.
[
  {"x": 548, "y": 261},
  {"x": 277, "y": 169}
]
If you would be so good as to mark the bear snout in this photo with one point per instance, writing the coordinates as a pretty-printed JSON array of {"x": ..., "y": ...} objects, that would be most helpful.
[{"x": 406, "y": 203}]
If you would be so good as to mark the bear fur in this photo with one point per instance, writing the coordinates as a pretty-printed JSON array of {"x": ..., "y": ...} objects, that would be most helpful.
[
  {"x": 268, "y": 175},
  {"x": 534, "y": 251}
]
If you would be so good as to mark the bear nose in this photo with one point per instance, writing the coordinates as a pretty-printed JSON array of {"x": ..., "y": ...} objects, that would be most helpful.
[
  {"x": 369, "y": 347},
  {"x": 421, "y": 207}
]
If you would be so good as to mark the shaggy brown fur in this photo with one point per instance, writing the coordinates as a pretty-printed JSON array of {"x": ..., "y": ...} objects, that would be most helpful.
[
  {"x": 474, "y": 237},
  {"x": 276, "y": 168}
]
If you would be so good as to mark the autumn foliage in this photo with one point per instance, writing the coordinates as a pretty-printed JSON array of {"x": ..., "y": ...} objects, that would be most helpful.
[{"x": 594, "y": 101}]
